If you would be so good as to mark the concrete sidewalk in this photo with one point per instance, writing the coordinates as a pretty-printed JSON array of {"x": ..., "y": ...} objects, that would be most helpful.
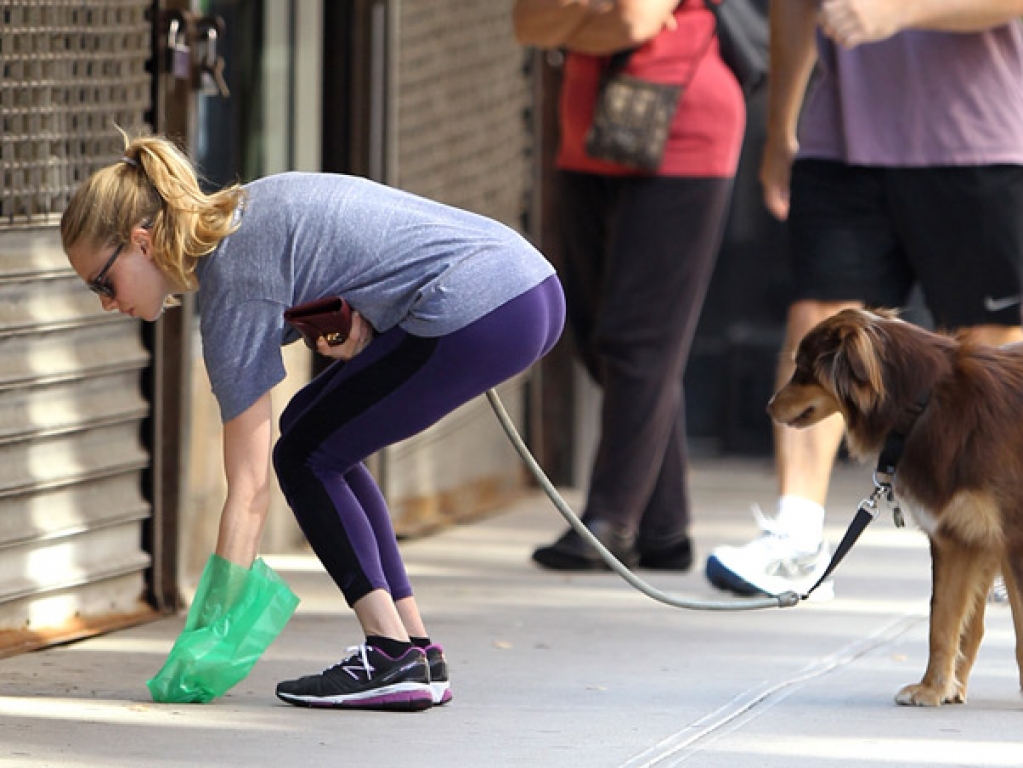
[{"x": 561, "y": 670}]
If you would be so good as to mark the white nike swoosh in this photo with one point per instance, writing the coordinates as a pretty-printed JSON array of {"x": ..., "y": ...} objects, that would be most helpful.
[{"x": 994, "y": 305}]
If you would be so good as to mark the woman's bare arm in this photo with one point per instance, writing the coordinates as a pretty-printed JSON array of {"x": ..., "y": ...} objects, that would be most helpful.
[
  {"x": 854, "y": 22},
  {"x": 247, "y": 447},
  {"x": 596, "y": 27}
]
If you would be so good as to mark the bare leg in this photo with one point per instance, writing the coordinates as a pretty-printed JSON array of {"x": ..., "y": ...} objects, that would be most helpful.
[
  {"x": 995, "y": 335},
  {"x": 408, "y": 610},
  {"x": 378, "y": 615}
]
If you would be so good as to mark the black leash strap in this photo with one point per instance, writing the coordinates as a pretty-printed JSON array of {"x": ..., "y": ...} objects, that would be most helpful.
[
  {"x": 884, "y": 479},
  {"x": 864, "y": 516}
]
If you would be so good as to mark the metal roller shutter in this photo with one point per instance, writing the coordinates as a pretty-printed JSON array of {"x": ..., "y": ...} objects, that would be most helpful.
[
  {"x": 72, "y": 459},
  {"x": 71, "y": 456}
]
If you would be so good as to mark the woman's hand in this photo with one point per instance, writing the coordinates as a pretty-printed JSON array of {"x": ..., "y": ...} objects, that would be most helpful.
[
  {"x": 853, "y": 22},
  {"x": 247, "y": 447},
  {"x": 359, "y": 337},
  {"x": 776, "y": 173}
]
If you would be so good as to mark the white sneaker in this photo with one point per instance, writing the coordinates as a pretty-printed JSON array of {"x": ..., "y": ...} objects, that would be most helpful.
[
  {"x": 998, "y": 593},
  {"x": 772, "y": 564}
]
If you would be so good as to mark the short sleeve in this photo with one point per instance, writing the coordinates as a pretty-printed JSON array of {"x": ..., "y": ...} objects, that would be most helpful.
[{"x": 241, "y": 346}]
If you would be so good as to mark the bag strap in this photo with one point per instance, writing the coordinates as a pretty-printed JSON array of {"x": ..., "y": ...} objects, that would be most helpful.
[
  {"x": 620, "y": 59},
  {"x": 701, "y": 56}
]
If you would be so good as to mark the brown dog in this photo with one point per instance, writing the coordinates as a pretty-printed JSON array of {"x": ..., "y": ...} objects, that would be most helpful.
[{"x": 960, "y": 471}]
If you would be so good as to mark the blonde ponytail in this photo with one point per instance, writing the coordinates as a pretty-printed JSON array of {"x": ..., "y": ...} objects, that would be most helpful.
[{"x": 154, "y": 185}]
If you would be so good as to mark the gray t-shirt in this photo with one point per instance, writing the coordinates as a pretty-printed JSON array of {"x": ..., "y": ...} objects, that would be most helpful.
[
  {"x": 398, "y": 259},
  {"x": 918, "y": 99}
]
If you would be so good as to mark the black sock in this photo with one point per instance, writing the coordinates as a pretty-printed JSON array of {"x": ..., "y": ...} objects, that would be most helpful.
[
  {"x": 421, "y": 642},
  {"x": 393, "y": 648}
]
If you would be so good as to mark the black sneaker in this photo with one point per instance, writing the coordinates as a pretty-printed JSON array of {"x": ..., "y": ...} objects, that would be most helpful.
[
  {"x": 365, "y": 679},
  {"x": 440, "y": 686}
]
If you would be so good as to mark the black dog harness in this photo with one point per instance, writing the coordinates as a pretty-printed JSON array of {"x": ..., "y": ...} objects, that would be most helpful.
[{"x": 884, "y": 482}]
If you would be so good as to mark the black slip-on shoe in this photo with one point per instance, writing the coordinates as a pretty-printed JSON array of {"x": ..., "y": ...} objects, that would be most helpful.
[{"x": 572, "y": 553}]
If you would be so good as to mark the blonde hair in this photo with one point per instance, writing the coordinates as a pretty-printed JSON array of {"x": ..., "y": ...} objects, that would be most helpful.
[{"x": 154, "y": 185}]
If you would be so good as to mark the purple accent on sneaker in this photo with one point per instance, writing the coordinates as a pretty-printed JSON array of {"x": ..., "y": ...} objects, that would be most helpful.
[{"x": 405, "y": 700}]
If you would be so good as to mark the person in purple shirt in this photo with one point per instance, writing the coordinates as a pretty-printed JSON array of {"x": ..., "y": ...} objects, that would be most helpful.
[{"x": 894, "y": 151}]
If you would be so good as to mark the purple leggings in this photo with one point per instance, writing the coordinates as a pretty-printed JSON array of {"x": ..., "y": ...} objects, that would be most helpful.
[{"x": 396, "y": 387}]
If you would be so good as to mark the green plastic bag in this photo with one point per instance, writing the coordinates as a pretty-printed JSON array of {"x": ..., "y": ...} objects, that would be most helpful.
[{"x": 236, "y": 614}]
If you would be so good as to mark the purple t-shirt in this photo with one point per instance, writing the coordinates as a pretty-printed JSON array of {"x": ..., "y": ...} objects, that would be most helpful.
[{"x": 918, "y": 99}]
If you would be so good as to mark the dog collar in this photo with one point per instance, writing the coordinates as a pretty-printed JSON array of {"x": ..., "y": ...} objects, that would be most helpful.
[{"x": 896, "y": 441}]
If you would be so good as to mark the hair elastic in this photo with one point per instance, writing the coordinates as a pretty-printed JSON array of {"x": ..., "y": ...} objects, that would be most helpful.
[{"x": 130, "y": 161}]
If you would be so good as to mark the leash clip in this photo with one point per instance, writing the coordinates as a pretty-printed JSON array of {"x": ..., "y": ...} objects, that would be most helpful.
[
  {"x": 883, "y": 489},
  {"x": 870, "y": 505}
]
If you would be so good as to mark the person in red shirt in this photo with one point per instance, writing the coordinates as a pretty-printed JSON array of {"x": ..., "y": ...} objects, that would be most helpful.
[{"x": 639, "y": 248}]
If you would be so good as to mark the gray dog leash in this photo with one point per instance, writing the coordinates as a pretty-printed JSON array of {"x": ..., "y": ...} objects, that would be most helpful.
[{"x": 784, "y": 600}]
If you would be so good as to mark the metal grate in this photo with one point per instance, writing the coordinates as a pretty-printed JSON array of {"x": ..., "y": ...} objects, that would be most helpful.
[
  {"x": 71, "y": 72},
  {"x": 462, "y": 98}
]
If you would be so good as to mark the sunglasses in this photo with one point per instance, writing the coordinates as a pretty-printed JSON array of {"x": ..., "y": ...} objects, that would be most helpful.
[{"x": 99, "y": 284}]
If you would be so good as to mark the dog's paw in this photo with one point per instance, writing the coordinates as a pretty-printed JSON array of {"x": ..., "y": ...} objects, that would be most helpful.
[{"x": 920, "y": 695}]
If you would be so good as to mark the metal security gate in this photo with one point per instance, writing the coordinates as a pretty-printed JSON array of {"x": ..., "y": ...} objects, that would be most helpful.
[{"x": 72, "y": 410}]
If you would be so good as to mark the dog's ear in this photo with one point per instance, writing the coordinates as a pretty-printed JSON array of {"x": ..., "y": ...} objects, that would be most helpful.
[{"x": 854, "y": 369}]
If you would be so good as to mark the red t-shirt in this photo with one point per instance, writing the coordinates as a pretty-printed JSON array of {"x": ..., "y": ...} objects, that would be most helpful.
[{"x": 706, "y": 133}]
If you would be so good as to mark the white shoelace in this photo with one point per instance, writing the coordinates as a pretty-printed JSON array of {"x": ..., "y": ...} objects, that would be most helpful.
[
  {"x": 767, "y": 524},
  {"x": 350, "y": 655}
]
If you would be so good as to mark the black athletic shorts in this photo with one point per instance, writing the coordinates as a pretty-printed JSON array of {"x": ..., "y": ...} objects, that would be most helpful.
[{"x": 867, "y": 234}]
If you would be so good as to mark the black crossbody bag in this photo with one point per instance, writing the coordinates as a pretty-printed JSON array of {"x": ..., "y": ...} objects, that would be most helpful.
[{"x": 633, "y": 116}]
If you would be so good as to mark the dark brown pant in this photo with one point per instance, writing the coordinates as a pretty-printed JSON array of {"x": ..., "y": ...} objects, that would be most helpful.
[{"x": 639, "y": 253}]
